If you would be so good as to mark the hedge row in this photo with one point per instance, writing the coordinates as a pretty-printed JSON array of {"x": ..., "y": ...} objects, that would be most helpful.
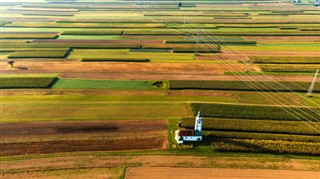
[
  {"x": 114, "y": 60},
  {"x": 285, "y": 60},
  {"x": 265, "y": 126},
  {"x": 26, "y": 82},
  {"x": 242, "y": 85},
  {"x": 266, "y": 146},
  {"x": 256, "y": 112},
  {"x": 211, "y": 135}
]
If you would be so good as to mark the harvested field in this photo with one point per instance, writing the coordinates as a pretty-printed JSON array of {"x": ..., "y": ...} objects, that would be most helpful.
[
  {"x": 143, "y": 69},
  {"x": 155, "y": 139},
  {"x": 124, "y": 42},
  {"x": 284, "y": 38},
  {"x": 195, "y": 173}
]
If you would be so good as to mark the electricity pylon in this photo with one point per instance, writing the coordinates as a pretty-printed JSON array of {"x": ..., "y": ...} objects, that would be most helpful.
[{"x": 309, "y": 94}]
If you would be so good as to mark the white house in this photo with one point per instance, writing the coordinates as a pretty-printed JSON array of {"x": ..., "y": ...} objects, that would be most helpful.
[{"x": 190, "y": 135}]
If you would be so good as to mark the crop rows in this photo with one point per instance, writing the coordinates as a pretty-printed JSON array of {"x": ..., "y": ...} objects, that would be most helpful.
[
  {"x": 242, "y": 85},
  {"x": 26, "y": 81},
  {"x": 285, "y": 60},
  {"x": 211, "y": 135},
  {"x": 268, "y": 146},
  {"x": 256, "y": 112},
  {"x": 260, "y": 126},
  {"x": 289, "y": 68}
]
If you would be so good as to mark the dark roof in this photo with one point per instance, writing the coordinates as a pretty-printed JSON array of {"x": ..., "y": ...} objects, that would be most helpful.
[{"x": 186, "y": 133}]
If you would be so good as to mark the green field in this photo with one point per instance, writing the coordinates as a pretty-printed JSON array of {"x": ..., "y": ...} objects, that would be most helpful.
[
  {"x": 26, "y": 81},
  {"x": 108, "y": 84}
]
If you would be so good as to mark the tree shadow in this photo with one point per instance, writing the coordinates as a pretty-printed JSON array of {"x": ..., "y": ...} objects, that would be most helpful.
[{"x": 21, "y": 68}]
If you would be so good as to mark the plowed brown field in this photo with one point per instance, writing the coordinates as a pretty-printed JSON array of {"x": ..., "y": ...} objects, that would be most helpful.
[{"x": 55, "y": 137}]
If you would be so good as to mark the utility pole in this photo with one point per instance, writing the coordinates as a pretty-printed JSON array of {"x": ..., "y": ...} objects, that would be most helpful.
[{"x": 309, "y": 94}]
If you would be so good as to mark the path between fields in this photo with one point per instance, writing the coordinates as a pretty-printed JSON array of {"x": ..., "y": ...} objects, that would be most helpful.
[{"x": 221, "y": 173}]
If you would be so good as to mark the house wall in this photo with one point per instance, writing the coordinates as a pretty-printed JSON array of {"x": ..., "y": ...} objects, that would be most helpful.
[{"x": 192, "y": 138}]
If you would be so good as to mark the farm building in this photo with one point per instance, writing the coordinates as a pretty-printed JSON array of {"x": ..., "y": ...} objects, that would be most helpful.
[{"x": 190, "y": 135}]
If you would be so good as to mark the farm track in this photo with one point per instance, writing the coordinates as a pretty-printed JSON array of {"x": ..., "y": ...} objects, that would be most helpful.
[{"x": 60, "y": 130}]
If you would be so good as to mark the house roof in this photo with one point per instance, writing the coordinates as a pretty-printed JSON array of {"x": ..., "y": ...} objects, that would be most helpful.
[{"x": 186, "y": 133}]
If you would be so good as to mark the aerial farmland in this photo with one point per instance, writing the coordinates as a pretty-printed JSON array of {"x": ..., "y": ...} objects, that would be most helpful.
[{"x": 99, "y": 89}]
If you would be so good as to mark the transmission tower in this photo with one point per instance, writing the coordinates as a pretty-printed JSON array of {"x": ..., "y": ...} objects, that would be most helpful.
[
  {"x": 309, "y": 94},
  {"x": 196, "y": 47}
]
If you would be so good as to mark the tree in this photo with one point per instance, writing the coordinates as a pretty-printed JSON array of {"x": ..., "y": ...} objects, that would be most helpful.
[{"x": 11, "y": 62}]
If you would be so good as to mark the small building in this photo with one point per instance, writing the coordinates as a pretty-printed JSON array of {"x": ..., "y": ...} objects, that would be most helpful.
[{"x": 190, "y": 135}]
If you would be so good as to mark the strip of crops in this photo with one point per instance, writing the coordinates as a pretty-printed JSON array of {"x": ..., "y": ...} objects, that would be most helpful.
[
  {"x": 255, "y": 112},
  {"x": 285, "y": 60},
  {"x": 32, "y": 49},
  {"x": 199, "y": 50},
  {"x": 264, "y": 126},
  {"x": 242, "y": 85},
  {"x": 289, "y": 68},
  {"x": 38, "y": 54},
  {"x": 266, "y": 146},
  {"x": 111, "y": 32},
  {"x": 27, "y": 36},
  {"x": 210, "y": 135},
  {"x": 70, "y": 45},
  {"x": 26, "y": 81},
  {"x": 182, "y": 46},
  {"x": 114, "y": 60},
  {"x": 224, "y": 42}
]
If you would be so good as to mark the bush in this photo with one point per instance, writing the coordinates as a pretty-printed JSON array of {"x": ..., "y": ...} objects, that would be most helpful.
[
  {"x": 285, "y": 60},
  {"x": 242, "y": 125},
  {"x": 255, "y": 112},
  {"x": 242, "y": 85},
  {"x": 266, "y": 146}
]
